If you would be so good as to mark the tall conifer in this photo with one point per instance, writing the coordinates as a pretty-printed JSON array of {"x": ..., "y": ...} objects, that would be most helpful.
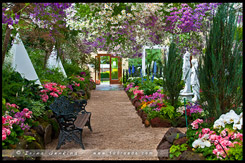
[{"x": 220, "y": 68}]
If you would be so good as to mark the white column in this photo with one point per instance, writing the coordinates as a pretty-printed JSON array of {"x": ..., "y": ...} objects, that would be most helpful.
[{"x": 143, "y": 62}]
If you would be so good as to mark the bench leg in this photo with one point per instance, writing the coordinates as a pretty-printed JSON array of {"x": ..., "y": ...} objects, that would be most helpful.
[
  {"x": 89, "y": 125},
  {"x": 81, "y": 140},
  {"x": 61, "y": 139}
]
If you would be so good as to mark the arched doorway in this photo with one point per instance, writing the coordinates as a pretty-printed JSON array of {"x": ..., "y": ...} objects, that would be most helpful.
[{"x": 110, "y": 69}]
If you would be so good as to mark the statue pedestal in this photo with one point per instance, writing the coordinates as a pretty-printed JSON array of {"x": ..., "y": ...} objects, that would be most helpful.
[{"x": 187, "y": 96}]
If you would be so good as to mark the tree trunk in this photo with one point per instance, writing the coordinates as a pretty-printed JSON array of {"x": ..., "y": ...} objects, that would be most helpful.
[{"x": 5, "y": 43}]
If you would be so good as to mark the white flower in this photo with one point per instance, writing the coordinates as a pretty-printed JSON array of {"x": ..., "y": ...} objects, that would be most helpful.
[
  {"x": 10, "y": 26},
  {"x": 123, "y": 12},
  {"x": 106, "y": 6},
  {"x": 129, "y": 15},
  {"x": 237, "y": 126},
  {"x": 201, "y": 143},
  {"x": 133, "y": 8},
  {"x": 119, "y": 16},
  {"x": 196, "y": 143},
  {"x": 205, "y": 137},
  {"x": 231, "y": 117},
  {"x": 218, "y": 124},
  {"x": 241, "y": 121},
  {"x": 205, "y": 144}
]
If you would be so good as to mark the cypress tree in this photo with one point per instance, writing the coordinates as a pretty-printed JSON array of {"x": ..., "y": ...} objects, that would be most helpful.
[
  {"x": 220, "y": 68},
  {"x": 172, "y": 73}
]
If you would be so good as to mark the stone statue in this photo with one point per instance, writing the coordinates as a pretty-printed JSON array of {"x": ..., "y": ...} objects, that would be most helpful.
[
  {"x": 194, "y": 80},
  {"x": 186, "y": 73}
]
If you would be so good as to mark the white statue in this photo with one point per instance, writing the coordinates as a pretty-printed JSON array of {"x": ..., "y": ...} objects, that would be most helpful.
[
  {"x": 186, "y": 73},
  {"x": 194, "y": 80}
]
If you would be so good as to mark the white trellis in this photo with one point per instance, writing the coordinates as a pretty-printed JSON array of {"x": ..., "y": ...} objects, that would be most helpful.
[
  {"x": 53, "y": 62},
  {"x": 21, "y": 62},
  {"x": 152, "y": 47}
]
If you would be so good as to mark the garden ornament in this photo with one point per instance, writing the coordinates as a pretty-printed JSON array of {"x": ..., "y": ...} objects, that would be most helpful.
[
  {"x": 186, "y": 73},
  {"x": 194, "y": 80}
]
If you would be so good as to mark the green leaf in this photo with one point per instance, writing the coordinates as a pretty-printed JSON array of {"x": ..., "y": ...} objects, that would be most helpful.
[
  {"x": 177, "y": 153},
  {"x": 171, "y": 155}
]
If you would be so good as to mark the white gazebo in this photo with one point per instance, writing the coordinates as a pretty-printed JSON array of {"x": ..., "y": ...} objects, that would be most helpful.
[{"x": 151, "y": 47}]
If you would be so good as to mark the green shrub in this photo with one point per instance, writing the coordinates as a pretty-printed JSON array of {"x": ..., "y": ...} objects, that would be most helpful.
[
  {"x": 105, "y": 75},
  {"x": 172, "y": 70},
  {"x": 221, "y": 67}
]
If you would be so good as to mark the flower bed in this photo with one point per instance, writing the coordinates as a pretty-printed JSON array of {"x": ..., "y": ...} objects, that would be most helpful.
[
  {"x": 27, "y": 122},
  {"x": 156, "y": 111},
  {"x": 220, "y": 140}
]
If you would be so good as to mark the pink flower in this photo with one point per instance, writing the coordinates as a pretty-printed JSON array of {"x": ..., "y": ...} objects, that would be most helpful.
[
  {"x": 223, "y": 133},
  {"x": 200, "y": 135},
  {"x": 44, "y": 97},
  {"x": 54, "y": 94},
  {"x": 44, "y": 91},
  {"x": 215, "y": 151},
  {"x": 8, "y": 117},
  {"x": 239, "y": 136},
  {"x": 3, "y": 120},
  {"x": 77, "y": 84},
  {"x": 213, "y": 137},
  {"x": 25, "y": 110},
  {"x": 54, "y": 90},
  {"x": 14, "y": 105},
  {"x": 4, "y": 136},
  {"x": 15, "y": 120},
  {"x": 53, "y": 84},
  {"x": 233, "y": 136},
  {"x": 194, "y": 124},
  {"x": 205, "y": 130},
  {"x": 59, "y": 92},
  {"x": 8, "y": 131},
  {"x": 62, "y": 86},
  {"x": 235, "y": 142}
]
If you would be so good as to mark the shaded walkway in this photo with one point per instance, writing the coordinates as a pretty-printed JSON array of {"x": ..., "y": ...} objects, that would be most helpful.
[
  {"x": 116, "y": 128},
  {"x": 109, "y": 87}
]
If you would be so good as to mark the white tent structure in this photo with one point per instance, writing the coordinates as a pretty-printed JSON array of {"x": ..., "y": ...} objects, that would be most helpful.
[
  {"x": 21, "y": 62},
  {"x": 53, "y": 62}
]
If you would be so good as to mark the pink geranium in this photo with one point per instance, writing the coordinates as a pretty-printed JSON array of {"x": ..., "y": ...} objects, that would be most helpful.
[
  {"x": 4, "y": 136},
  {"x": 205, "y": 130},
  {"x": 44, "y": 97},
  {"x": 54, "y": 94},
  {"x": 195, "y": 123},
  {"x": 25, "y": 110}
]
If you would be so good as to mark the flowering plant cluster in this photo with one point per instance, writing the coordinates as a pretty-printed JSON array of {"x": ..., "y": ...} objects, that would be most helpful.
[
  {"x": 136, "y": 93},
  {"x": 129, "y": 86},
  {"x": 51, "y": 90},
  {"x": 193, "y": 111},
  {"x": 158, "y": 108},
  {"x": 77, "y": 82},
  {"x": 158, "y": 94},
  {"x": 216, "y": 141},
  {"x": 14, "y": 123}
]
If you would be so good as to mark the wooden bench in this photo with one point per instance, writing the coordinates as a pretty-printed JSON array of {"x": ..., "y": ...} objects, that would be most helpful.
[{"x": 72, "y": 117}]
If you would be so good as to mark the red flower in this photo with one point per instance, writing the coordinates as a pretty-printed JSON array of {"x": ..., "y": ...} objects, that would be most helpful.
[{"x": 188, "y": 112}]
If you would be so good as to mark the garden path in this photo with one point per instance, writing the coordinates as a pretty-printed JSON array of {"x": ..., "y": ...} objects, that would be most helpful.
[{"x": 116, "y": 129}]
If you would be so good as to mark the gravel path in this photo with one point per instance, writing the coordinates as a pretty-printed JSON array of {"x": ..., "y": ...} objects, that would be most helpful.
[{"x": 118, "y": 133}]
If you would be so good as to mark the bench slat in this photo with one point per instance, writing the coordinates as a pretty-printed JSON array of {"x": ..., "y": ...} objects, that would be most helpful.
[{"x": 81, "y": 120}]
